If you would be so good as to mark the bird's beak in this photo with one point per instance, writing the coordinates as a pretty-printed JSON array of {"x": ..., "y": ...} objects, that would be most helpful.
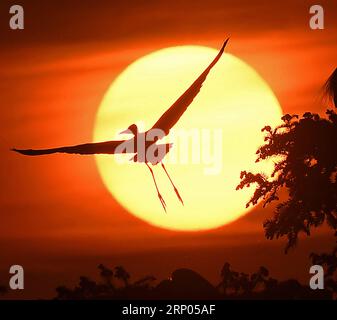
[{"x": 126, "y": 131}]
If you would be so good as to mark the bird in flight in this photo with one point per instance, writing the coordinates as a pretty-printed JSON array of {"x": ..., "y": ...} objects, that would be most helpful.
[{"x": 141, "y": 152}]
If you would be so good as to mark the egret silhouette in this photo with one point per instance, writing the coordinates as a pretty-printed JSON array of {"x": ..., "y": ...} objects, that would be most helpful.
[{"x": 160, "y": 129}]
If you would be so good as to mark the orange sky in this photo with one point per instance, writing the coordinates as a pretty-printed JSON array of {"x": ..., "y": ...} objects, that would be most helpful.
[{"x": 53, "y": 76}]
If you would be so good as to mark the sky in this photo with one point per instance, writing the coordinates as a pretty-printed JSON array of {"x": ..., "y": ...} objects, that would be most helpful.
[{"x": 54, "y": 74}]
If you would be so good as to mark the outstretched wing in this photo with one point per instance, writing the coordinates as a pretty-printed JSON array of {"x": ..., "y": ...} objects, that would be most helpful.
[
  {"x": 173, "y": 114},
  {"x": 109, "y": 147}
]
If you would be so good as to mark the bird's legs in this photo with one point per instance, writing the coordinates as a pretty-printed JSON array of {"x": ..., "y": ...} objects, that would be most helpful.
[
  {"x": 174, "y": 187},
  {"x": 162, "y": 201}
]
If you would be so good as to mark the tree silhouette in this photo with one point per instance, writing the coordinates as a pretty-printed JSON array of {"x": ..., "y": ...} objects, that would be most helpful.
[
  {"x": 106, "y": 275},
  {"x": 259, "y": 278},
  {"x": 305, "y": 154},
  {"x": 187, "y": 284},
  {"x": 259, "y": 285},
  {"x": 242, "y": 284},
  {"x": 329, "y": 261},
  {"x": 105, "y": 289},
  {"x": 229, "y": 280},
  {"x": 122, "y": 274},
  {"x": 86, "y": 289}
]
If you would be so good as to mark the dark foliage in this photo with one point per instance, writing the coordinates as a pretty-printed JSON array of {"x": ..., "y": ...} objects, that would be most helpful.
[
  {"x": 259, "y": 285},
  {"x": 305, "y": 153},
  {"x": 187, "y": 284},
  {"x": 122, "y": 274},
  {"x": 329, "y": 261},
  {"x": 106, "y": 289}
]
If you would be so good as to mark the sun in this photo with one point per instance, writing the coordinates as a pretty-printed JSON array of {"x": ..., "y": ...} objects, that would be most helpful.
[{"x": 224, "y": 122}]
